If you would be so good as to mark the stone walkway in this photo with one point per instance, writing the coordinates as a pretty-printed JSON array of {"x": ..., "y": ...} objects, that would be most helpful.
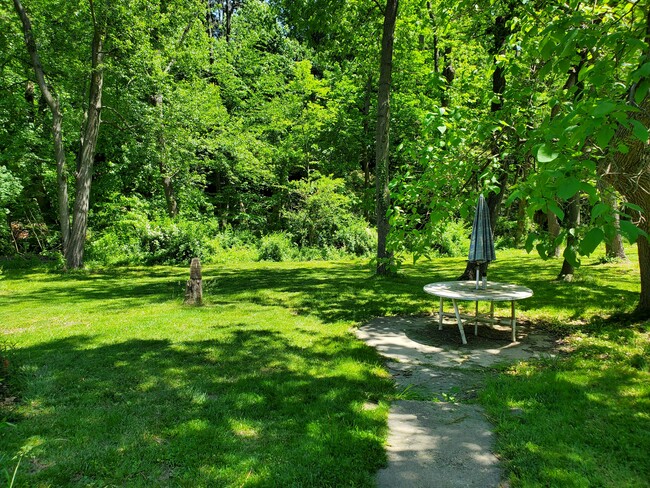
[{"x": 435, "y": 439}]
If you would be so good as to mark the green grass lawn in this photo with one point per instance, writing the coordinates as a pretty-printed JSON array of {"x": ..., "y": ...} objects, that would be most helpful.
[{"x": 266, "y": 385}]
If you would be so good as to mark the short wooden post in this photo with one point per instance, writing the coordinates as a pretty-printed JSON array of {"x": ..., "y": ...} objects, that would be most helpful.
[{"x": 194, "y": 289}]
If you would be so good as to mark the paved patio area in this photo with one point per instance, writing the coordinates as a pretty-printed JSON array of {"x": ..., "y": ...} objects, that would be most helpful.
[{"x": 437, "y": 439}]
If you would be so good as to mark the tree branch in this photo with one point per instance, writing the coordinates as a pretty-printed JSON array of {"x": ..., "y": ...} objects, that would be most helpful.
[
  {"x": 381, "y": 9},
  {"x": 121, "y": 117},
  {"x": 181, "y": 41},
  {"x": 30, "y": 43}
]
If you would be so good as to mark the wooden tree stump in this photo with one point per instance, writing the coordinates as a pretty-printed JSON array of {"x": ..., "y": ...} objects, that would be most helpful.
[{"x": 194, "y": 288}]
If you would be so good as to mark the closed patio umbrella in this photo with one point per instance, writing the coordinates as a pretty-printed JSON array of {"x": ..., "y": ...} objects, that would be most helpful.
[{"x": 481, "y": 244}]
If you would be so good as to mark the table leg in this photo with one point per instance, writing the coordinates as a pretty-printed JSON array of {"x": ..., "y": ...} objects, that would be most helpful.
[
  {"x": 492, "y": 310},
  {"x": 460, "y": 322},
  {"x": 513, "y": 321},
  {"x": 440, "y": 316},
  {"x": 476, "y": 320}
]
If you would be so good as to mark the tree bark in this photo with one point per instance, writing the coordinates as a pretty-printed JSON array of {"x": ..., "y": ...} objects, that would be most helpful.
[
  {"x": 384, "y": 257},
  {"x": 494, "y": 200},
  {"x": 57, "y": 122},
  {"x": 629, "y": 174},
  {"x": 614, "y": 246},
  {"x": 90, "y": 133},
  {"x": 554, "y": 229},
  {"x": 573, "y": 221}
]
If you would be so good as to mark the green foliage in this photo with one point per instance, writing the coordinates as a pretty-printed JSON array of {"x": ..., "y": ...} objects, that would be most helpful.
[
  {"x": 355, "y": 237},
  {"x": 10, "y": 188},
  {"x": 276, "y": 247},
  {"x": 452, "y": 239},
  {"x": 321, "y": 216}
]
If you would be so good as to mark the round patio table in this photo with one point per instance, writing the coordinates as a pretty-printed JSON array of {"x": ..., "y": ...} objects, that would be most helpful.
[{"x": 467, "y": 291}]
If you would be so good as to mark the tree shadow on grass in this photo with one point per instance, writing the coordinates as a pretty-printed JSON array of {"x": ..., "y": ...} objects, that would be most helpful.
[
  {"x": 342, "y": 291},
  {"x": 248, "y": 405},
  {"x": 583, "y": 428},
  {"x": 345, "y": 292}
]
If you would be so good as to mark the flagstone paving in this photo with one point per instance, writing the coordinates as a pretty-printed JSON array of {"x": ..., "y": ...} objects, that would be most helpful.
[{"x": 437, "y": 439}]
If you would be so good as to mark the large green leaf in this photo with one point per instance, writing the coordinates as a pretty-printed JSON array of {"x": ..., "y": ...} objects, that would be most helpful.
[
  {"x": 546, "y": 154},
  {"x": 571, "y": 256},
  {"x": 640, "y": 131},
  {"x": 591, "y": 241},
  {"x": 631, "y": 231},
  {"x": 568, "y": 188},
  {"x": 603, "y": 108}
]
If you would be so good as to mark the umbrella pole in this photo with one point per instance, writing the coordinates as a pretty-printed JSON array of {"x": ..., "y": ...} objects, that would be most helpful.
[{"x": 478, "y": 274}]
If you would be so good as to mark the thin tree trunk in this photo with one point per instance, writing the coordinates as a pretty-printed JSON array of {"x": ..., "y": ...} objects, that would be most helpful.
[
  {"x": 613, "y": 247},
  {"x": 573, "y": 221},
  {"x": 57, "y": 122},
  {"x": 90, "y": 133},
  {"x": 566, "y": 272},
  {"x": 158, "y": 100},
  {"x": 449, "y": 74},
  {"x": 554, "y": 229},
  {"x": 366, "y": 153},
  {"x": 165, "y": 177},
  {"x": 493, "y": 200},
  {"x": 384, "y": 257},
  {"x": 521, "y": 223}
]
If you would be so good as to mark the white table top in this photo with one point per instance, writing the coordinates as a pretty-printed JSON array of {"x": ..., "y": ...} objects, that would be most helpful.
[{"x": 466, "y": 290}]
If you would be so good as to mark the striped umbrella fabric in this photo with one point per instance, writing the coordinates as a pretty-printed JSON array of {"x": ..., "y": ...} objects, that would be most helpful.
[{"x": 481, "y": 244}]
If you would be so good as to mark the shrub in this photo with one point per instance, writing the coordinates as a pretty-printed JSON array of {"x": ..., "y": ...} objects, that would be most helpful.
[
  {"x": 175, "y": 242},
  {"x": 356, "y": 237},
  {"x": 276, "y": 247},
  {"x": 321, "y": 217},
  {"x": 452, "y": 239},
  {"x": 228, "y": 246}
]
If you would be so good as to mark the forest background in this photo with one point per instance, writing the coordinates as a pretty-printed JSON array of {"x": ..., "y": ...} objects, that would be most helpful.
[{"x": 156, "y": 131}]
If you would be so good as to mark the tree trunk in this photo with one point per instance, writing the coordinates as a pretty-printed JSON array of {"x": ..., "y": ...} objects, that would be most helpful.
[
  {"x": 629, "y": 174},
  {"x": 521, "y": 223},
  {"x": 449, "y": 74},
  {"x": 165, "y": 177},
  {"x": 493, "y": 200},
  {"x": 554, "y": 229},
  {"x": 573, "y": 221},
  {"x": 384, "y": 257},
  {"x": 57, "y": 122},
  {"x": 366, "y": 153},
  {"x": 614, "y": 246},
  {"x": 90, "y": 133}
]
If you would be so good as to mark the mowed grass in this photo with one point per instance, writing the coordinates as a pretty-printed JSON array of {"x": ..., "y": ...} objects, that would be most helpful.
[{"x": 265, "y": 385}]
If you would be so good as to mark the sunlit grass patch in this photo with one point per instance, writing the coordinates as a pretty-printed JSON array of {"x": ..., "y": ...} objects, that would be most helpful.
[
  {"x": 266, "y": 385},
  {"x": 579, "y": 420}
]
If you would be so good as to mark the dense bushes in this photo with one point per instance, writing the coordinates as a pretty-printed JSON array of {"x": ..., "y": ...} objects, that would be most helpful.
[
  {"x": 321, "y": 216},
  {"x": 320, "y": 225}
]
